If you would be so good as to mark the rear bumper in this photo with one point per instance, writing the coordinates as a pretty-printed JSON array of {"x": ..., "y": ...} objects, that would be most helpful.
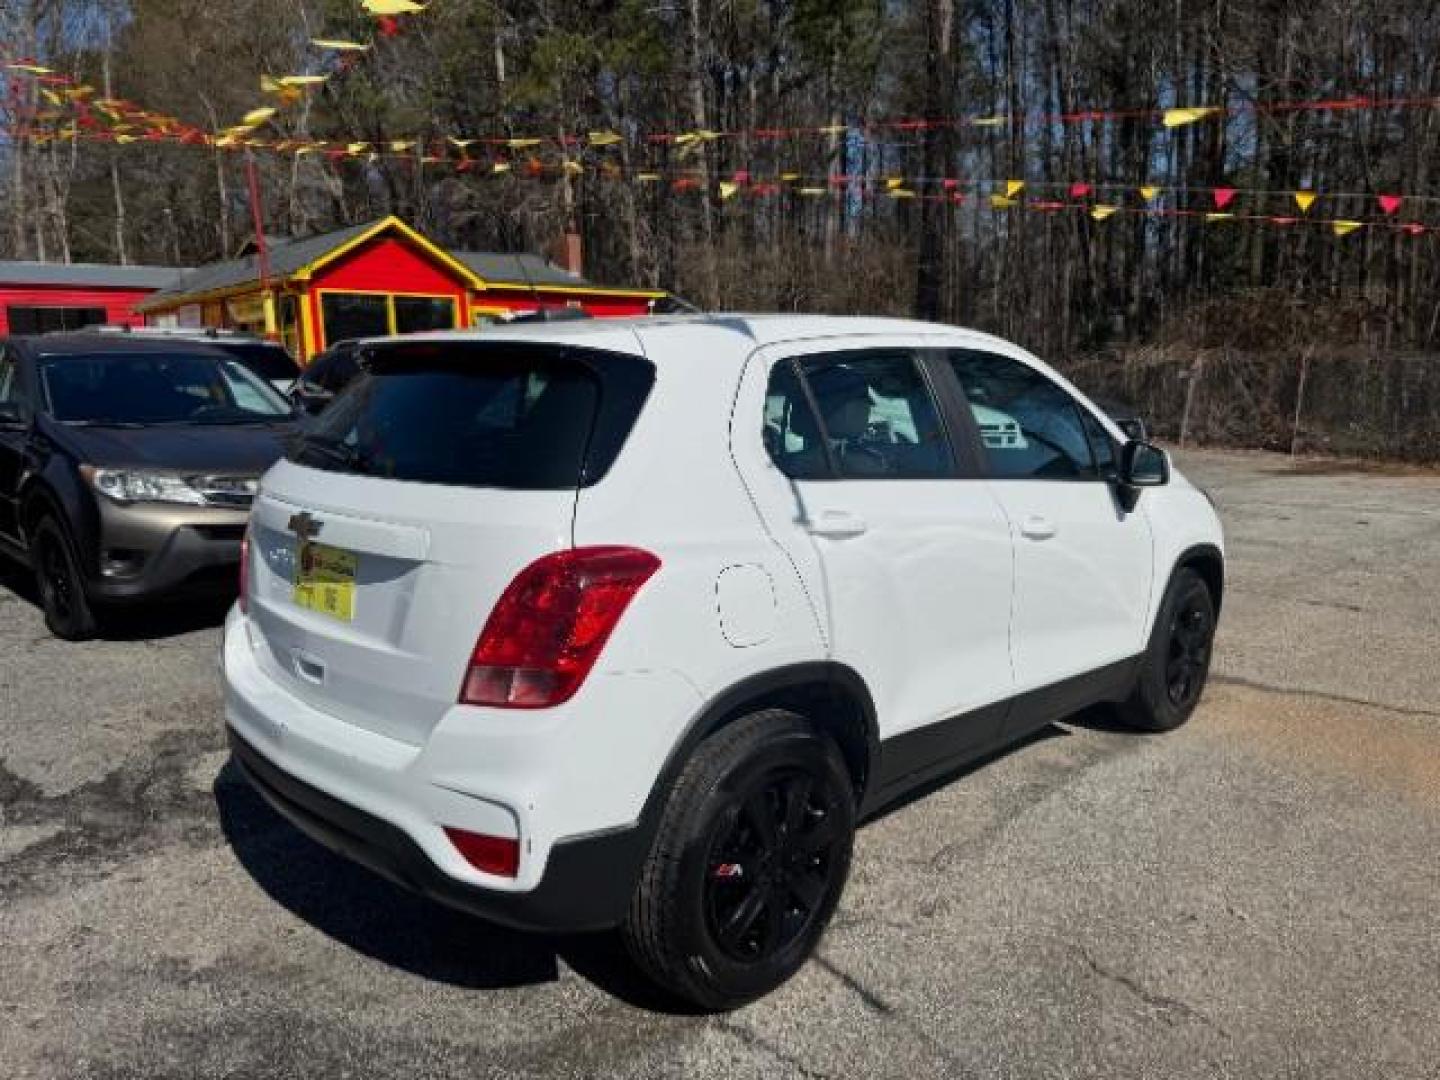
[{"x": 587, "y": 882}]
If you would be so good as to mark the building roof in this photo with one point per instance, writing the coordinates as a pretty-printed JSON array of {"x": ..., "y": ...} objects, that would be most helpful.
[
  {"x": 522, "y": 268},
  {"x": 88, "y": 275},
  {"x": 284, "y": 261}
]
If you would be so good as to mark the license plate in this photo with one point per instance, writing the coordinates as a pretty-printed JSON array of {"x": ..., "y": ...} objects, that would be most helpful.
[{"x": 325, "y": 580}]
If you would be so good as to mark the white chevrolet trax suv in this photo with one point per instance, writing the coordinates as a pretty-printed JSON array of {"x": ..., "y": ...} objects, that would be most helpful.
[{"x": 626, "y": 624}]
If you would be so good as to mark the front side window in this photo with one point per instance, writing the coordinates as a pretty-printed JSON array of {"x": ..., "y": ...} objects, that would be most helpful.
[
  {"x": 873, "y": 418},
  {"x": 1029, "y": 427},
  {"x": 156, "y": 388},
  {"x": 9, "y": 378}
]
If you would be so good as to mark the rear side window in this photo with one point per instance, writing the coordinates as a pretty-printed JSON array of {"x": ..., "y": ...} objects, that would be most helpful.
[
  {"x": 501, "y": 415},
  {"x": 873, "y": 418}
]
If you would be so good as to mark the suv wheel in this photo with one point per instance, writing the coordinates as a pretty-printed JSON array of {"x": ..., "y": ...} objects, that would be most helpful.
[
  {"x": 68, "y": 613},
  {"x": 1177, "y": 662},
  {"x": 748, "y": 864}
]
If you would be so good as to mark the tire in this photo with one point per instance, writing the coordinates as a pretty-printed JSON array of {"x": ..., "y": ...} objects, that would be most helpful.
[
  {"x": 1177, "y": 661},
  {"x": 748, "y": 863},
  {"x": 68, "y": 612}
]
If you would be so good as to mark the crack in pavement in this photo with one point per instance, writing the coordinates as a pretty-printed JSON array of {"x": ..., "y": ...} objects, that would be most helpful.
[
  {"x": 1163, "y": 1002},
  {"x": 1323, "y": 695}
]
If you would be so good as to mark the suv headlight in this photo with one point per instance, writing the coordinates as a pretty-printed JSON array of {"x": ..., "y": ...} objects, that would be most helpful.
[{"x": 131, "y": 486}]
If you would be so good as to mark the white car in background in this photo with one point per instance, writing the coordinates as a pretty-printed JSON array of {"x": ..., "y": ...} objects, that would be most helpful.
[{"x": 627, "y": 623}]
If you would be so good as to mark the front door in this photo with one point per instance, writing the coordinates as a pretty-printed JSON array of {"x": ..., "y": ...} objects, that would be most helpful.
[
  {"x": 905, "y": 552},
  {"x": 1083, "y": 562},
  {"x": 12, "y": 446}
]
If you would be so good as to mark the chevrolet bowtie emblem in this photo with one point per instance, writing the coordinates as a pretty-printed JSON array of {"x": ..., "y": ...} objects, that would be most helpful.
[{"x": 304, "y": 526}]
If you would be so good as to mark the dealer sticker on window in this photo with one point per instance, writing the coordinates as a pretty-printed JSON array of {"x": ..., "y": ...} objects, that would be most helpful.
[{"x": 325, "y": 580}]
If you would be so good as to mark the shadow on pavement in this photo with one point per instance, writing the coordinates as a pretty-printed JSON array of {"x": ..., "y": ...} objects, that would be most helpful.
[{"x": 381, "y": 920}]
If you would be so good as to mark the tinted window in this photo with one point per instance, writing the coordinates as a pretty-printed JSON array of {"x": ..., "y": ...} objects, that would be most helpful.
[
  {"x": 48, "y": 320},
  {"x": 415, "y": 313},
  {"x": 508, "y": 416},
  {"x": 355, "y": 315},
  {"x": 156, "y": 388},
  {"x": 792, "y": 436},
  {"x": 333, "y": 371},
  {"x": 267, "y": 361},
  {"x": 877, "y": 414},
  {"x": 1029, "y": 426}
]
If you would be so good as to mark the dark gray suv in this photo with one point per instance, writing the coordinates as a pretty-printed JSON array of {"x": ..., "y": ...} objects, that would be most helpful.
[{"x": 127, "y": 467}]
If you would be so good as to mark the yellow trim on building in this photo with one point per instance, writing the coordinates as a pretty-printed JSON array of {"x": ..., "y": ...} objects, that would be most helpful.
[{"x": 467, "y": 275}]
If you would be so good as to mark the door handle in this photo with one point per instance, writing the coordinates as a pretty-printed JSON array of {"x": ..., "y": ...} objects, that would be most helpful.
[
  {"x": 837, "y": 524},
  {"x": 1036, "y": 527}
]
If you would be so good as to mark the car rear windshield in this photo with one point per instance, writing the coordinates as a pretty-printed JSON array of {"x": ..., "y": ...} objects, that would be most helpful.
[
  {"x": 267, "y": 361},
  {"x": 157, "y": 388},
  {"x": 482, "y": 414}
]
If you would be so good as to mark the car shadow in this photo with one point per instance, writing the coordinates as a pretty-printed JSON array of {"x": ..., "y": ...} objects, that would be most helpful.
[
  {"x": 140, "y": 622},
  {"x": 376, "y": 918}
]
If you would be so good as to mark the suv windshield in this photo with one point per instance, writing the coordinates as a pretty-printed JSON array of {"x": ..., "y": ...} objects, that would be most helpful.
[
  {"x": 157, "y": 388},
  {"x": 267, "y": 360},
  {"x": 506, "y": 415}
]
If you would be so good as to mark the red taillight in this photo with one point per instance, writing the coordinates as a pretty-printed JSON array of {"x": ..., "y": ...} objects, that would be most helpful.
[
  {"x": 245, "y": 571},
  {"x": 550, "y": 624},
  {"x": 499, "y": 855}
]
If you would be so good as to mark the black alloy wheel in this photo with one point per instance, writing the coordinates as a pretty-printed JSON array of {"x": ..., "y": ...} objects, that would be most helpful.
[
  {"x": 774, "y": 853},
  {"x": 68, "y": 613},
  {"x": 1188, "y": 658}
]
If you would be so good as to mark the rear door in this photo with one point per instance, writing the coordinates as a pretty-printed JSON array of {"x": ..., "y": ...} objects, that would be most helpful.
[
  {"x": 1083, "y": 562},
  {"x": 904, "y": 550},
  {"x": 13, "y": 443},
  {"x": 381, "y": 544}
]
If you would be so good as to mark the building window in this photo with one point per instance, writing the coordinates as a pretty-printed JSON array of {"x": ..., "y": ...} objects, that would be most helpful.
[
  {"x": 358, "y": 315},
  {"x": 354, "y": 315},
  {"x": 416, "y": 313},
  {"x": 45, "y": 320}
]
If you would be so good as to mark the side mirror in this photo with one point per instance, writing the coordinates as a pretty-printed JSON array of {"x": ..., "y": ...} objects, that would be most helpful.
[
  {"x": 13, "y": 417},
  {"x": 1143, "y": 465}
]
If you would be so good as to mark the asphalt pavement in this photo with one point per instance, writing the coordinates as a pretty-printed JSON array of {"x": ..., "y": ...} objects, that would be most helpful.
[{"x": 1256, "y": 895}]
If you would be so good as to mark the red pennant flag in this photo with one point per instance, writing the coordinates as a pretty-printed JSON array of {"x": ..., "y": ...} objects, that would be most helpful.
[
  {"x": 950, "y": 184},
  {"x": 1223, "y": 195},
  {"x": 1283, "y": 220},
  {"x": 1048, "y": 205},
  {"x": 388, "y": 26},
  {"x": 1414, "y": 229},
  {"x": 1390, "y": 203},
  {"x": 957, "y": 197},
  {"x": 1079, "y": 190},
  {"x": 741, "y": 177}
]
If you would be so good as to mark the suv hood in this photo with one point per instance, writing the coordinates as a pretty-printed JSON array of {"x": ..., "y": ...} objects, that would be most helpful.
[{"x": 242, "y": 449}]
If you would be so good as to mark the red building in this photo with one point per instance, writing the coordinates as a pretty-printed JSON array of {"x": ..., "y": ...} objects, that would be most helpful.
[
  {"x": 368, "y": 280},
  {"x": 36, "y": 298}
]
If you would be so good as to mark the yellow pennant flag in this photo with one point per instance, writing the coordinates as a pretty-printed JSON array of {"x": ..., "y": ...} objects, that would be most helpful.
[
  {"x": 789, "y": 177},
  {"x": 500, "y": 167},
  {"x": 339, "y": 45},
  {"x": 685, "y": 138},
  {"x": 1101, "y": 212},
  {"x": 1001, "y": 202},
  {"x": 301, "y": 80},
  {"x": 123, "y": 139},
  {"x": 1345, "y": 228},
  {"x": 256, "y": 117},
  {"x": 1013, "y": 188},
  {"x": 572, "y": 166},
  {"x": 728, "y": 189},
  {"x": 459, "y": 144},
  {"x": 356, "y": 148},
  {"x": 1305, "y": 200},
  {"x": 894, "y": 182},
  {"x": 52, "y": 97},
  {"x": 647, "y": 177},
  {"x": 604, "y": 138},
  {"x": 1216, "y": 216},
  {"x": 901, "y": 193},
  {"x": 33, "y": 69},
  {"x": 517, "y": 144},
  {"x": 1174, "y": 118},
  {"x": 391, "y": 7},
  {"x": 1148, "y": 193},
  {"x": 400, "y": 146},
  {"x": 988, "y": 121},
  {"x": 812, "y": 192},
  {"x": 832, "y": 129}
]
